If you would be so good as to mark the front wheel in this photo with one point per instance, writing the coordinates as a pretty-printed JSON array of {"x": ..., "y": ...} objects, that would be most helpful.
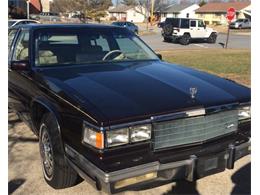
[
  {"x": 212, "y": 38},
  {"x": 57, "y": 173},
  {"x": 185, "y": 39}
]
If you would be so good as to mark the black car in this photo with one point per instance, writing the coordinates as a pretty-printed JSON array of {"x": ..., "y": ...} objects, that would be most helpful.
[
  {"x": 107, "y": 109},
  {"x": 129, "y": 25}
]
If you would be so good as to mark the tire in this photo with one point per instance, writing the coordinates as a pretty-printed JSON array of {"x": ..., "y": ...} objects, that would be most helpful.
[
  {"x": 57, "y": 173},
  {"x": 168, "y": 29},
  {"x": 185, "y": 39},
  {"x": 212, "y": 38},
  {"x": 167, "y": 39}
]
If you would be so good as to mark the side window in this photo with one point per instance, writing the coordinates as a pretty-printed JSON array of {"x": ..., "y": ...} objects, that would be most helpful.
[
  {"x": 193, "y": 23},
  {"x": 200, "y": 23},
  {"x": 11, "y": 36},
  {"x": 185, "y": 23},
  {"x": 22, "y": 47}
]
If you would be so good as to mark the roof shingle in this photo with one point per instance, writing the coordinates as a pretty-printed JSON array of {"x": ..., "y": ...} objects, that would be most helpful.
[
  {"x": 120, "y": 9},
  {"x": 222, "y": 7}
]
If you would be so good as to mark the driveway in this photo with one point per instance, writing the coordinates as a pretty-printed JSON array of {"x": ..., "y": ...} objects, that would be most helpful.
[
  {"x": 25, "y": 175},
  {"x": 155, "y": 41}
]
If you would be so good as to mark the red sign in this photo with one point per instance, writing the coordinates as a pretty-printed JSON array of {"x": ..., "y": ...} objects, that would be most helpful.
[{"x": 231, "y": 13}]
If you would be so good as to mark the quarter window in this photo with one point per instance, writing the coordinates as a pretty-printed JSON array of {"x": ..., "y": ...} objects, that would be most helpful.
[
  {"x": 185, "y": 23},
  {"x": 192, "y": 23}
]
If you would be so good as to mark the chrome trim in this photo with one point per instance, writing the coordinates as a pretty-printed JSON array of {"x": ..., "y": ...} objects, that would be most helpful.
[
  {"x": 170, "y": 116},
  {"x": 245, "y": 104},
  {"x": 189, "y": 166},
  {"x": 123, "y": 125},
  {"x": 214, "y": 109}
]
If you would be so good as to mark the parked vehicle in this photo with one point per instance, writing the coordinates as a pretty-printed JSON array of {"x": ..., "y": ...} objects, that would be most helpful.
[
  {"x": 186, "y": 29},
  {"x": 15, "y": 22},
  {"x": 46, "y": 16},
  {"x": 107, "y": 109},
  {"x": 129, "y": 25},
  {"x": 240, "y": 23}
]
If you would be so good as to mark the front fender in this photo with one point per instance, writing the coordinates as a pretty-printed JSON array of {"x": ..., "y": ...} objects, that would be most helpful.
[{"x": 50, "y": 107}]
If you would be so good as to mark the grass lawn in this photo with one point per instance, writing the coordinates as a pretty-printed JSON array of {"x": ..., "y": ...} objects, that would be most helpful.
[{"x": 229, "y": 63}]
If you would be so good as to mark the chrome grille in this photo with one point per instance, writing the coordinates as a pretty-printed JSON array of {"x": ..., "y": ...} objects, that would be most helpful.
[{"x": 194, "y": 129}]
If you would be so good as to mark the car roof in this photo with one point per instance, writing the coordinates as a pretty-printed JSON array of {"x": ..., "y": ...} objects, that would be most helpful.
[
  {"x": 184, "y": 18},
  {"x": 35, "y": 26},
  {"x": 16, "y": 20}
]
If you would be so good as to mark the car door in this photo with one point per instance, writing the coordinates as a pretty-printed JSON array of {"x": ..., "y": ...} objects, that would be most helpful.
[
  {"x": 19, "y": 87},
  {"x": 193, "y": 28},
  {"x": 201, "y": 30}
]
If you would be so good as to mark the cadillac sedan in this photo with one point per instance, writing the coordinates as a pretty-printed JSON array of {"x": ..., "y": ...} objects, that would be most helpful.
[{"x": 106, "y": 108}]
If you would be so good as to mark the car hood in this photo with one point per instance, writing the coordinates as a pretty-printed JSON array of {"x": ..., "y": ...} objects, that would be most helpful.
[{"x": 119, "y": 92}]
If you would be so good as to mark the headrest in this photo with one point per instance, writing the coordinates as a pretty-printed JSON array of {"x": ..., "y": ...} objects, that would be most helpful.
[{"x": 45, "y": 53}]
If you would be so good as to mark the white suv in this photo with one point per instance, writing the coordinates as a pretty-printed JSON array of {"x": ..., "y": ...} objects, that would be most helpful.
[{"x": 186, "y": 29}]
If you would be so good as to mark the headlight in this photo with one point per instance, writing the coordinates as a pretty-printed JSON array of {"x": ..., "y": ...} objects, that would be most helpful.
[
  {"x": 117, "y": 137},
  {"x": 244, "y": 113},
  {"x": 140, "y": 133},
  {"x": 93, "y": 138}
]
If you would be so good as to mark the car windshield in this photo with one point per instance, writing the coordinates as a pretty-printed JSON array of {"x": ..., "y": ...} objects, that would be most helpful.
[
  {"x": 118, "y": 23},
  {"x": 10, "y": 23},
  {"x": 240, "y": 20},
  {"x": 90, "y": 45}
]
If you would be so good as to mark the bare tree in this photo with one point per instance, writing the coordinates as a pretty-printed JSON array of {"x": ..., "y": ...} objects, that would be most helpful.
[{"x": 88, "y": 8}]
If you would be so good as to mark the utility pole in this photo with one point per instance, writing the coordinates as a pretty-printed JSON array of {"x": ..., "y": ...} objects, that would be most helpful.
[
  {"x": 152, "y": 10},
  {"x": 147, "y": 14},
  {"x": 28, "y": 9}
]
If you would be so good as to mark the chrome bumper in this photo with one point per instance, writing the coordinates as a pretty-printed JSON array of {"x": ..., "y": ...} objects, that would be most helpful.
[{"x": 189, "y": 169}]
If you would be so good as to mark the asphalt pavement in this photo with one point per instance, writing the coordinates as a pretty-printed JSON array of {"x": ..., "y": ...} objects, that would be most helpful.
[
  {"x": 25, "y": 173},
  {"x": 155, "y": 41}
]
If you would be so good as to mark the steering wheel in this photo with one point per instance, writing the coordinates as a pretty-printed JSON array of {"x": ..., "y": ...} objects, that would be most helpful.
[{"x": 110, "y": 53}]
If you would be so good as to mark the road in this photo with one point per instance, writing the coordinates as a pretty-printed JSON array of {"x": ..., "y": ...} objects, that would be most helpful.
[
  {"x": 155, "y": 41},
  {"x": 25, "y": 175}
]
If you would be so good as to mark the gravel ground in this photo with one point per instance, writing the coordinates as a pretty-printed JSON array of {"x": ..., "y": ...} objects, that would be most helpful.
[{"x": 25, "y": 175}]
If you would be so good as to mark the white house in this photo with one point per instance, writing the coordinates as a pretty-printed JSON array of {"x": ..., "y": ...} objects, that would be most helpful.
[
  {"x": 127, "y": 13},
  {"x": 178, "y": 11}
]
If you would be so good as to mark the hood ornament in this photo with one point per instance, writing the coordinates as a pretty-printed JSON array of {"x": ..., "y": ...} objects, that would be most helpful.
[{"x": 193, "y": 92}]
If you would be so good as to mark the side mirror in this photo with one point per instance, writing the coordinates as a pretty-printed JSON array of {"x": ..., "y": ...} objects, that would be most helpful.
[
  {"x": 159, "y": 56},
  {"x": 20, "y": 65}
]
